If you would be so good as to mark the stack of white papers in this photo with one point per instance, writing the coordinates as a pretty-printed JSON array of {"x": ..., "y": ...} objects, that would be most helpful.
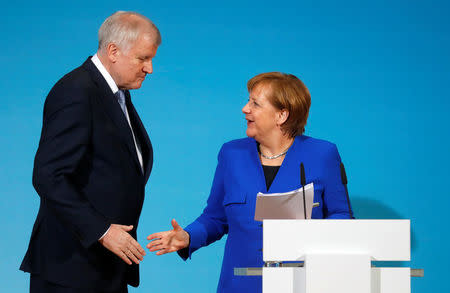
[{"x": 286, "y": 205}]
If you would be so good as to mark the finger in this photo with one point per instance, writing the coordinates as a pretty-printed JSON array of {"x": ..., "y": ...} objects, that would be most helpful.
[
  {"x": 175, "y": 225},
  {"x": 163, "y": 251},
  {"x": 136, "y": 253},
  {"x": 157, "y": 247},
  {"x": 136, "y": 245},
  {"x": 154, "y": 243},
  {"x": 131, "y": 256},
  {"x": 126, "y": 228},
  {"x": 124, "y": 257},
  {"x": 154, "y": 236}
]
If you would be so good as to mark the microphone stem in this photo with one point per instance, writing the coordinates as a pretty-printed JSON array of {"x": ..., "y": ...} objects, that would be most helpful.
[
  {"x": 348, "y": 202},
  {"x": 304, "y": 203}
]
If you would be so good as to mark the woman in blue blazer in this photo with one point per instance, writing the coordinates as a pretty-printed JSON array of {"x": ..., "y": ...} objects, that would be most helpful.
[{"x": 267, "y": 161}]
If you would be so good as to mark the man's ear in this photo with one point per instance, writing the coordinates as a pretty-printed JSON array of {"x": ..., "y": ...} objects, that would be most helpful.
[
  {"x": 113, "y": 52},
  {"x": 283, "y": 116}
]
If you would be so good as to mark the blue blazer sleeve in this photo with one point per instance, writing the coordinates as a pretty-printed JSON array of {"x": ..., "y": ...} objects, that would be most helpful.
[
  {"x": 334, "y": 196},
  {"x": 211, "y": 225}
]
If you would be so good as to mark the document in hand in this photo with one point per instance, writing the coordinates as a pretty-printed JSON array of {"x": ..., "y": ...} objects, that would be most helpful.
[{"x": 286, "y": 205}]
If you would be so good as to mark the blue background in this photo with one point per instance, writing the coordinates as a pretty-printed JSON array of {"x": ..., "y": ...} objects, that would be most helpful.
[{"x": 378, "y": 72}]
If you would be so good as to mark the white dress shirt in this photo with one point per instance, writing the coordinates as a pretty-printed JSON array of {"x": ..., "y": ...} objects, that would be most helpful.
[
  {"x": 115, "y": 89},
  {"x": 112, "y": 84}
]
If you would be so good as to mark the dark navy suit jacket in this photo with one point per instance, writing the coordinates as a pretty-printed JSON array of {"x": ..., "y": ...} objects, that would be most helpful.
[
  {"x": 88, "y": 176},
  {"x": 231, "y": 204}
]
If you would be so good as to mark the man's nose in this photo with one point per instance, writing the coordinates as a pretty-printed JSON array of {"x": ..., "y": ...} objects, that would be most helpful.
[{"x": 148, "y": 67}]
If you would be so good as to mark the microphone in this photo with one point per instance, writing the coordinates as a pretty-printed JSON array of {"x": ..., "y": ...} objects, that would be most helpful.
[
  {"x": 344, "y": 181},
  {"x": 303, "y": 183}
]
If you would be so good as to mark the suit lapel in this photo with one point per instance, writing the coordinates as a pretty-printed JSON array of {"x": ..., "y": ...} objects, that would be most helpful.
[
  {"x": 256, "y": 163},
  {"x": 141, "y": 134},
  {"x": 113, "y": 110},
  {"x": 288, "y": 176}
]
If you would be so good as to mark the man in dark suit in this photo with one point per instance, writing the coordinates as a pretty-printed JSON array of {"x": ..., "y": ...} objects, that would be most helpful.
[{"x": 91, "y": 167}]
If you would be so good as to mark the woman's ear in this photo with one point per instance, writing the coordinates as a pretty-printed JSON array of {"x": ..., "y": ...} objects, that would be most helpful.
[{"x": 283, "y": 116}]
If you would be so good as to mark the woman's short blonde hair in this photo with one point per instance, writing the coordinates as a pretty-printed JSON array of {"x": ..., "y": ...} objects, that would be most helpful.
[{"x": 285, "y": 92}]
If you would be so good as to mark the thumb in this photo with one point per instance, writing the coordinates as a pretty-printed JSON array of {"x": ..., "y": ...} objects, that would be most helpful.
[
  {"x": 175, "y": 225},
  {"x": 126, "y": 228}
]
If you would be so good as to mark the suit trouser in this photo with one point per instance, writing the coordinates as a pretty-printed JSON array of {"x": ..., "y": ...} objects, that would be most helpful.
[{"x": 39, "y": 285}]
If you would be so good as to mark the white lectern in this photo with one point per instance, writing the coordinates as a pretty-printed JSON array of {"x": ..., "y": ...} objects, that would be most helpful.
[{"x": 337, "y": 256}]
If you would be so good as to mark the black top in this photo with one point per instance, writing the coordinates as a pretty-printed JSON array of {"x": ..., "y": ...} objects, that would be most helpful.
[{"x": 269, "y": 173}]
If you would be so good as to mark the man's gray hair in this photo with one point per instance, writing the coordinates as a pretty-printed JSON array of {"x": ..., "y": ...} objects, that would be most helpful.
[{"x": 123, "y": 28}]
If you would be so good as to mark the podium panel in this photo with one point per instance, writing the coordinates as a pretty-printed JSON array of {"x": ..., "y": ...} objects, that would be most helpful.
[
  {"x": 391, "y": 280},
  {"x": 337, "y": 256},
  {"x": 292, "y": 240},
  {"x": 293, "y": 280},
  {"x": 284, "y": 280},
  {"x": 349, "y": 273}
]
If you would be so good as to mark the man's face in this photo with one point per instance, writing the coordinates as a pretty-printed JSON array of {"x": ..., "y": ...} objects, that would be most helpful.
[{"x": 131, "y": 66}]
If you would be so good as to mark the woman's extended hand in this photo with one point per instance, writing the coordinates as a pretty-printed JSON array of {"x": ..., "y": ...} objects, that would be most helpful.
[{"x": 168, "y": 241}]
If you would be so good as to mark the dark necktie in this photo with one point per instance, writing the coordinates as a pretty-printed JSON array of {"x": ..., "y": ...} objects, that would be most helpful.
[{"x": 120, "y": 95}]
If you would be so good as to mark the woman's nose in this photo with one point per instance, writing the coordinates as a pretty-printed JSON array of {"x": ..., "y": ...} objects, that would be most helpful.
[{"x": 246, "y": 109}]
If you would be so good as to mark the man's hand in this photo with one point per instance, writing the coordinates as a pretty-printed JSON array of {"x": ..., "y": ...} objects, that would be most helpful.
[
  {"x": 118, "y": 241},
  {"x": 169, "y": 241}
]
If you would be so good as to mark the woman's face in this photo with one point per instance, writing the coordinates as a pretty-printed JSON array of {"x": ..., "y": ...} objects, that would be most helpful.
[{"x": 263, "y": 119}]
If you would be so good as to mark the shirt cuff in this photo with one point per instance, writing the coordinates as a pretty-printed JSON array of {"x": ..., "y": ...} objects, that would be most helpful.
[{"x": 104, "y": 234}]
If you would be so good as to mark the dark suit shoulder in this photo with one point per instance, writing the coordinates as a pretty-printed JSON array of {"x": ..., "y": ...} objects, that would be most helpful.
[
  {"x": 78, "y": 80},
  {"x": 73, "y": 88},
  {"x": 75, "y": 77}
]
